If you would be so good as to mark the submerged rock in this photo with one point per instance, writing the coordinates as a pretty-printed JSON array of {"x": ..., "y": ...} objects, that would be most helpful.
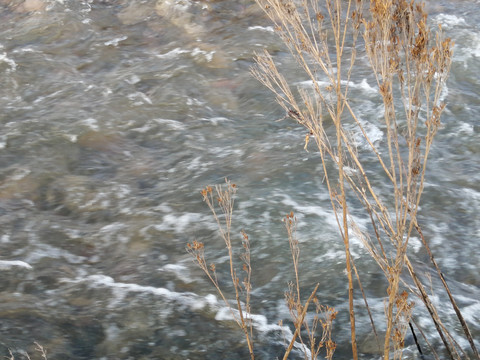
[
  {"x": 100, "y": 141},
  {"x": 26, "y": 5},
  {"x": 136, "y": 12},
  {"x": 32, "y": 5},
  {"x": 180, "y": 13}
]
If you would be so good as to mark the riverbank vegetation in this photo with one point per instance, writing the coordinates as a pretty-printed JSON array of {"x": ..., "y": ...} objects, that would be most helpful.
[
  {"x": 39, "y": 350},
  {"x": 410, "y": 64}
]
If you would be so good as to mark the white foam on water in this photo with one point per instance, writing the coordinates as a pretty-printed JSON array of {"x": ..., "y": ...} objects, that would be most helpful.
[
  {"x": 112, "y": 332},
  {"x": 329, "y": 216},
  {"x": 19, "y": 174},
  {"x": 221, "y": 152},
  {"x": 195, "y": 164},
  {"x": 163, "y": 207},
  {"x": 261, "y": 324},
  {"x": 470, "y": 312},
  {"x": 121, "y": 290},
  {"x": 41, "y": 251},
  {"x": 107, "y": 91},
  {"x": 115, "y": 231},
  {"x": 195, "y": 102},
  {"x": 4, "y": 58},
  {"x": 173, "y": 124},
  {"x": 24, "y": 50},
  {"x": 91, "y": 123},
  {"x": 195, "y": 302},
  {"x": 116, "y": 41},
  {"x": 182, "y": 222},
  {"x": 179, "y": 223},
  {"x": 463, "y": 127},
  {"x": 3, "y": 141},
  {"x": 178, "y": 5},
  {"x": 331, "y": 254},
  {"x": 122, "y": 191},
  {"x": 309, "y": 84},
  {"x": 180, "y": 271},
  {"x": 415, "y": 244},
  {"x": 471, "y": 194},
  {"x": 113, "y": 227},
  {"x": 144, "y": 129},
  {"x": 467, "y": 44},
  {"x": 172, "y": 53},
  {"x": 100, "y": 199},
  {"x": 71, "y": 137},
  {"x": 207, "y": 54},
  {"x": 217, "y": 119},
  {"x": 373, "y": 132},
  {"x": 349, "y": 170},
  {"x": 449, "y": 21},
  {"x": 139, "y": 98},
  {"x": 443, "y": 92},
  {"x": 9, "y": 264},
  {"x": 262, "y": 28},
  {"x": 49, "y": 96},
  {"x": 363, "y": 85},
  {"x": 71, "y": 233},
  {"x": 134, "y": 79}
]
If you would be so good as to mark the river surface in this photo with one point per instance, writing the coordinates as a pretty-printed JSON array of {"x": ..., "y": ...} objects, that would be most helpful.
[{"x": 115, "y": 114}]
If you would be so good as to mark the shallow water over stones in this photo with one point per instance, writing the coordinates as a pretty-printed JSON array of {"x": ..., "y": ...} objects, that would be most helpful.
[{"x": 115, "y": 114}]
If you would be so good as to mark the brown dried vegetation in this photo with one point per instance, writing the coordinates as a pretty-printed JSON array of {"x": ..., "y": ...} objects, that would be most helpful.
[
  {"x": 410, "y": 64},
  {"x": 42, "y": 353},
  {"x": 223, "y": 198},
  {"x": 316, "y": 339}
]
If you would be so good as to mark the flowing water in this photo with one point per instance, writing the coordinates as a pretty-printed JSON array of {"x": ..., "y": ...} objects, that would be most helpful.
[{"x": 115, "y": 114}]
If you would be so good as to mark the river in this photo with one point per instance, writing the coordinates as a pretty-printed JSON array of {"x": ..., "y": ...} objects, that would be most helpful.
[{"x": 115, "y": 114}]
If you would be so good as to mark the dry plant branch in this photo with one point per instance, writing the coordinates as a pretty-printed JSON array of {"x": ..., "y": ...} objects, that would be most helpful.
[
  {"x": 324, "y": 315},
  {"x": 308, "y": 43},
  {"x": 39, "y": 348},
  {"x": 410, "y": 67},
  {"x": 223, "y": 197},
  {"x": 465, "y": 328}
]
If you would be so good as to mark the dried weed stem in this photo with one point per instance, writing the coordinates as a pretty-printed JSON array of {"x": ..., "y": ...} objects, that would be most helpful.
[
  {"x": 410, "y": 67},
  {"x": 223, "y": 197},
  {"x": 39, "y": 348},
  {"x": 324, "y": 315}
]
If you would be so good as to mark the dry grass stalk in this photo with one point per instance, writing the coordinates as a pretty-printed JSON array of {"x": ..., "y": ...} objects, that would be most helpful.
[
  {"x": 410, "y": 66},
  {"x": 39, "y": 348},
  {"x": 223, "y": 197},
  {"x": 324, "y": 315}
]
